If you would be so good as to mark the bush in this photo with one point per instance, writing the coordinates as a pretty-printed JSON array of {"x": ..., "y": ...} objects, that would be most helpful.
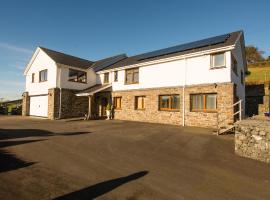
[
  {"x": 16, "y": 111},
  {"x": 3, "y": 110}
]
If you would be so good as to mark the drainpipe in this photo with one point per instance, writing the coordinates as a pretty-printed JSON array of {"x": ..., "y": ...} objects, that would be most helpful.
[
  {"x": 60, "y": 98},
  {"x": 183, "y": 94},
  {"x": 60, "y": 104}
]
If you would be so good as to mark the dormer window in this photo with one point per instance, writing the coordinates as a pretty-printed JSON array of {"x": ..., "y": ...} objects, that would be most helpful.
[
  {"x": 218, "y": 60},
  {"x": 77, "y": 76},
  {"x": 106, "y": 78}
]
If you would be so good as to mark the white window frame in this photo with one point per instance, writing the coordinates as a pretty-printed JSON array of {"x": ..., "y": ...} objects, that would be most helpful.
[{"x": 213, "y": 60}]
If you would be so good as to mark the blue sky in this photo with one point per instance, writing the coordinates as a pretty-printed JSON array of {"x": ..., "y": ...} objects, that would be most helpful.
[{"x": 97, "y": 29}]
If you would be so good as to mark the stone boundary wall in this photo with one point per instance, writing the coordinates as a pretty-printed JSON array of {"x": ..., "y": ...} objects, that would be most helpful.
[{"x": 252, "y": 138}]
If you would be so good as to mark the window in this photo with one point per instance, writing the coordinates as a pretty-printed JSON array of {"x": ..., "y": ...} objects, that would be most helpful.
[
  {"x": 115, "y": 76},
  {"x": 242, "y": 77},
  {"x": 203, "y": 102},
  {"x": 234, "y": 65},
  {"x": 43, "y": 75},
  {"x": 218, "y": 60},
  {"x": 106, "y": 78},
  {"x": 77, "y": 76},
  {"x": 169, "y": 102},
  {"x": 132, "y": 76},
  {"x": 140, "y": 102},
  {"x": 33, "y": 77},
  {"x": 117, "y": 102}
]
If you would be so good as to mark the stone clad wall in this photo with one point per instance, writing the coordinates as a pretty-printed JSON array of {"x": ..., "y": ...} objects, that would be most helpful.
[
  {"x": 71, "y": 105},
  {"x": 53, "y": 103},
  {"x": 152, "y": 113},
  {"x": 252, "y": 139},
  {"x": 225, "y": 99}
]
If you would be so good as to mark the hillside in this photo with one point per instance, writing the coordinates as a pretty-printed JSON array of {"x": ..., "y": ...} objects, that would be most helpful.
[{"x": 258, "y": 72}]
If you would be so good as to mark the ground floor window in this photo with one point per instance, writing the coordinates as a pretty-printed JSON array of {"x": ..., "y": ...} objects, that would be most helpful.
[
  {"x": 203, "y": 102},
  {"x": 169, "y": 102},
  {"x": 117, "y": 102},
  {"x": 140, "y": 102}
]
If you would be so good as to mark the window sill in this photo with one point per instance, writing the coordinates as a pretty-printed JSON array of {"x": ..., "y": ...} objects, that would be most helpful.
[
  {"x": 204, "y": 111},
  {"x": 42, "y": 81},
  {"x": 131, "y": 83},
  {"x": 169, "y": 110},
  {"x": 220, "y": 67},
  {"x": 77, "y": 82},
  {"x": 143, "y": 109}
]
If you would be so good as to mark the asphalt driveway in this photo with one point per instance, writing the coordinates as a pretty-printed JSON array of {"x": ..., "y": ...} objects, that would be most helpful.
[{"x": 42, "y": 159}]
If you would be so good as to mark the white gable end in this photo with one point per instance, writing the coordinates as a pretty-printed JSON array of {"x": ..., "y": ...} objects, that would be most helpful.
[{"x": 40, "y": 61}]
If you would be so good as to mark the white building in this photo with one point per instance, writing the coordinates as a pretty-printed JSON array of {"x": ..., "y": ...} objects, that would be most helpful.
[{"x": 194, "y": 84}]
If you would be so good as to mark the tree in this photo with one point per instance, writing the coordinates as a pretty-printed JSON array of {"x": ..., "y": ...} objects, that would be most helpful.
[{"x": 253, "y": 54}]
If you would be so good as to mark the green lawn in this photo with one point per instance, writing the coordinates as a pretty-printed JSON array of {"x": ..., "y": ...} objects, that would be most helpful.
[{"x": 258, "y": 74}]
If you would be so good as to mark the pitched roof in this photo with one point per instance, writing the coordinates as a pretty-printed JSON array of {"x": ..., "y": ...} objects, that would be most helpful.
[
  {"x": 66, "y": 59},
  {"x": 106, "y": 62},
  {"x": 187, "y": 48},
  {"x": 94, "y": 89}
]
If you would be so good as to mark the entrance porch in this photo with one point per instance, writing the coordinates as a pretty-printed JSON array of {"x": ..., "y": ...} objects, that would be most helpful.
[{"x": 99, "y": 97}]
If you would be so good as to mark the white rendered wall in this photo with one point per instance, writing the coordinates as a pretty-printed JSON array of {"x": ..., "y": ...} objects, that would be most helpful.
[
  {"x": 41, "y": 62},
  {"x": 240, "y": 88},
  {"x": 173, "y": 74},
  {"x": 63, "y": 70}
]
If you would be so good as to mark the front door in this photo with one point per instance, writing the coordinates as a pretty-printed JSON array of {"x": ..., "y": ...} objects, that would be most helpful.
[{"x": 104, "y": 102}]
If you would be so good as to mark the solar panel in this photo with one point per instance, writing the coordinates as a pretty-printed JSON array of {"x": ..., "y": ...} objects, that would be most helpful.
[
  {"x": 108, "y": 62},
  {"x": 185, "y": 47}
]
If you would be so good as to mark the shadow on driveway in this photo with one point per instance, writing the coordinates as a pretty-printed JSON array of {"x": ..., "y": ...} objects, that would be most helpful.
[
  {"x": 99, "y": 189},
  {"x": 9, "y": 161}
]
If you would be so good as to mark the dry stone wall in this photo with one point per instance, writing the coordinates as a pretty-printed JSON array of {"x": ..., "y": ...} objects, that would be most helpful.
[{"x": 252, "y": 138}]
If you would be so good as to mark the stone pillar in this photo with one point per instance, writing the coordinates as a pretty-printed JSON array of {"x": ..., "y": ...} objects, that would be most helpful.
[
  {"x": 53, "y": 103},
  {"x": 90, "y": 107},
  {"x": 25, "y": 104}
]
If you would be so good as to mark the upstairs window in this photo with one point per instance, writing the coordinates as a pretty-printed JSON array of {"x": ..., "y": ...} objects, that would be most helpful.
[
  {"x": 169, "y": 102},
  {"x": 77, "y": 76},
  {"x": 115, "y": 76},
  {"x": 234, "y": 65},
  {"x": 43, "y": 75},
  {"x": 33, "y": 77},
  {"x": 106, "y": 78},
  {"x": 132, "y": 76},
  {"x": 218, "y": 60},
  {"x": 203, "y": 102}
]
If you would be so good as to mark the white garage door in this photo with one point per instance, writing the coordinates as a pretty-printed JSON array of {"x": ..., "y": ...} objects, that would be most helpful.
[{"x": 39, "y": 106}]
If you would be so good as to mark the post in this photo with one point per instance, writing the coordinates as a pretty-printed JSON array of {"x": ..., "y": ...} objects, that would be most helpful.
[
  {"x": 240, "y": 109},
  {"x": 89, "y": 116}
]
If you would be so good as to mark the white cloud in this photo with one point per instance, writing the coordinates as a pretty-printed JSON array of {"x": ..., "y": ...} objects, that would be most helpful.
[{"x": 15, "y": 48}]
